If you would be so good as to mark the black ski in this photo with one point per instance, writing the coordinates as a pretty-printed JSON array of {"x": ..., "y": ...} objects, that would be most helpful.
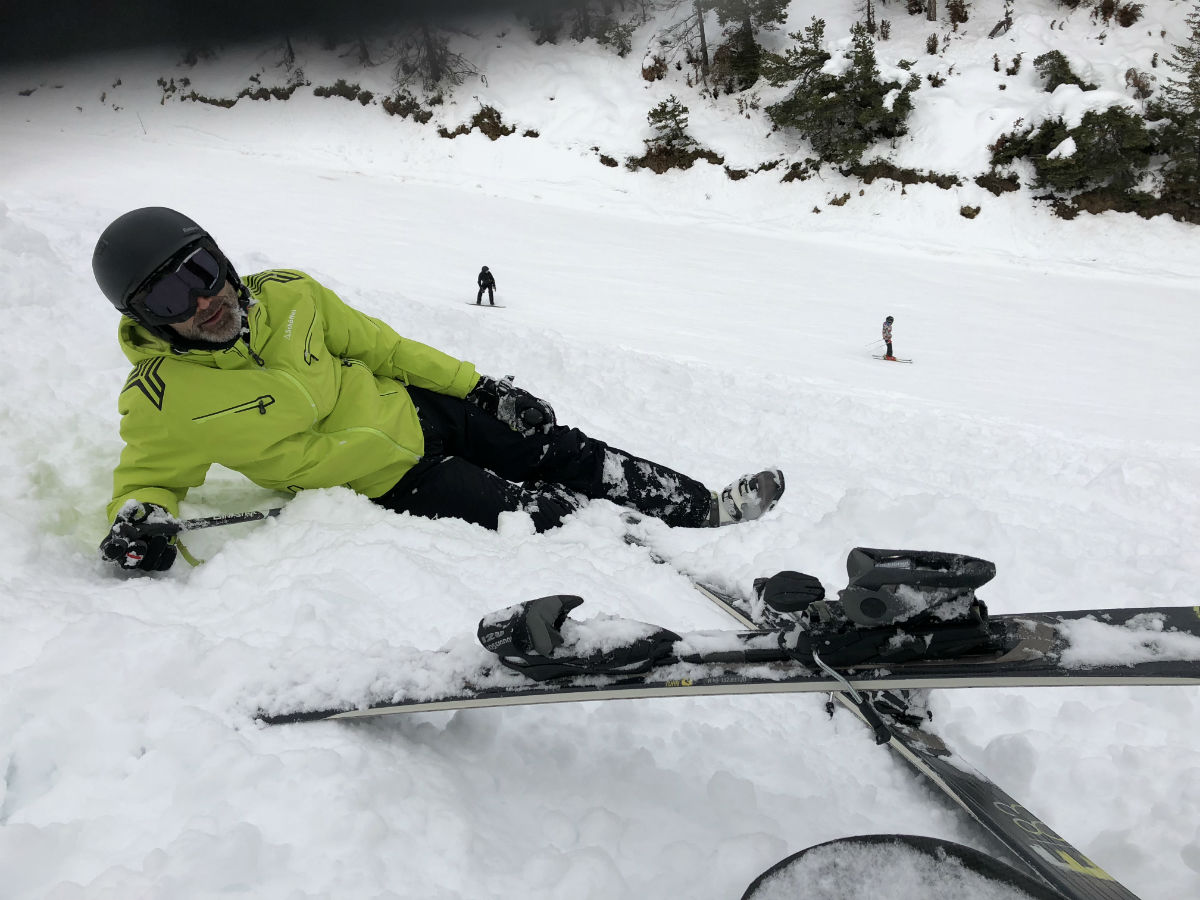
[
  {"x": 907, "y": 619},
  {"x": 1044, "y": 852},
  {"x": 860, "y": 864},
  {"x": 536, "y": 658}
]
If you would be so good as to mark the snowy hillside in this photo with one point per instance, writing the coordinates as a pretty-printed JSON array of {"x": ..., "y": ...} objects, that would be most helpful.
[{"x": 1048, "y": 423}]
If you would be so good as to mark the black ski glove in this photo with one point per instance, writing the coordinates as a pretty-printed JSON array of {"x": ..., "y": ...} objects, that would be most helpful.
[
  {"x": 141, "y": 537},
  {"x": 518, "y": 409}
]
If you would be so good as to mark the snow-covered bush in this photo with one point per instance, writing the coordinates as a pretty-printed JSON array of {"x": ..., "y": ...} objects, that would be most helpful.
[
  {"x": 1107, "y": 150},
  {"x": 1055, "y": 70},
  {"x": 671, "y": 147}
]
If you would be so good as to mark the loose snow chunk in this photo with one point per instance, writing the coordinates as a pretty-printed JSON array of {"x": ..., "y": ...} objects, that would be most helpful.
[
  {"x": 710, "y": 642},
  {"x": 318, "y": 678},
  {"x": 601, "y": 634},
  {"x": 1063, "y": 150},
  {"x": 946, "y": 604},
  {"x": 1070, "y": 103},
  {"x": 1142, "y": 639}
]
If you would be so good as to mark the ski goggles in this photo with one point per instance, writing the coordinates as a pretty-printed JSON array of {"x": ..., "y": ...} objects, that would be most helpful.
[{"x": 170, "y": 294}]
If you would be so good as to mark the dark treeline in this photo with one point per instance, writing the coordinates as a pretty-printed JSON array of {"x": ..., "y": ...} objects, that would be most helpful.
[{"x": 45, "y": 31}]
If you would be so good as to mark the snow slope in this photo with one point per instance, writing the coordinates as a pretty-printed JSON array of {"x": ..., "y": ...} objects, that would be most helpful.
[{"x": 717, "y": 325}]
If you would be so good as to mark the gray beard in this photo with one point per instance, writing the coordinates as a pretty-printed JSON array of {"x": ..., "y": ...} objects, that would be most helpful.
[{"x": 230, "y": 330}]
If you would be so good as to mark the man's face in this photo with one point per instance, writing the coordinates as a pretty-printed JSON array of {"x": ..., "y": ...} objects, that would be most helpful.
[{"x": 218, "y": 318}]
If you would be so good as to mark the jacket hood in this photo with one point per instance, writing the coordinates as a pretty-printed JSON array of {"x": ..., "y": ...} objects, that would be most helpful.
[{"x": 138, "y": 344}]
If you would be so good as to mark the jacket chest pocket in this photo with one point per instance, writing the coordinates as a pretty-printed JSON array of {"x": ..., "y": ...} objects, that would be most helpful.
[
  {"x": 263, "y": 401},
  {"x": 258, "y": 405}
]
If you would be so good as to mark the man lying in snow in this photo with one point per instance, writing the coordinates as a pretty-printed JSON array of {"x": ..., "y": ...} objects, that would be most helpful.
[{"x": 275, "y": 377}]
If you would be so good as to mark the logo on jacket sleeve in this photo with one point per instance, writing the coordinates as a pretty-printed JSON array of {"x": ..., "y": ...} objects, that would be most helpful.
[{"x": 145, "y": 378}]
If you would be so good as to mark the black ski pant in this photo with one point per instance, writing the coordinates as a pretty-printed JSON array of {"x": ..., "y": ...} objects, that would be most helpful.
[
  {"x": 889, "y": 347},
  {"x": 491, "y": 295},
  {"x": 476, "y": 467}
]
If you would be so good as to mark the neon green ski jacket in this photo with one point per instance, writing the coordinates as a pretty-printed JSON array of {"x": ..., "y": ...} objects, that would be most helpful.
[{"x": 324, "y": 403}]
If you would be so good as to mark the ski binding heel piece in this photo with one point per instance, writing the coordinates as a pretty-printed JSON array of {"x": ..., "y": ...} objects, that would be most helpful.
[{"x": 537, "y": 639}]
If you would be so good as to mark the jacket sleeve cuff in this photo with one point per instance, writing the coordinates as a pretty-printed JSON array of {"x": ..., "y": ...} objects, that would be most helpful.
[{"x": 159, "y": 496}]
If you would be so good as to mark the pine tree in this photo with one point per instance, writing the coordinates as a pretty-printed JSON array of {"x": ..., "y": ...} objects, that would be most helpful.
[
  {"x": 741, "y": 19},
  {"x": 801, "y": 63},
  {"x": 423, "y": 55},
  {"x": 1180, "y": 106},
  {"x": 698, "y": 6},
  {"x": 1183, "y": 92},
  {"x": 840, "y": 115},
  {"x": 670, "y": 123},
  {"x": 766, "y": 14},
  {"x": 688, "y": 33}
]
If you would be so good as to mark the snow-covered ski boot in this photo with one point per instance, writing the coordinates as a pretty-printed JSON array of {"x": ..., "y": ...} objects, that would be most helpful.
[{"x": 747, "y": 498}]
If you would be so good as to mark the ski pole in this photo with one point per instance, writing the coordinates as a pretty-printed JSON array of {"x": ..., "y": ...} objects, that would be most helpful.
[
  {"x": 874, "y": 342},
  {"x": 862, "y": 702},
  {"x": 173, "y": 528},
  {"x": 230, "y": 519}
]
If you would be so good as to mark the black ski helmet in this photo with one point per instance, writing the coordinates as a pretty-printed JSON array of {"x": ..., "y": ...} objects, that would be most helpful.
[
  {"x": 890, "y": 319},
  {"x": 135, "y": 246}
]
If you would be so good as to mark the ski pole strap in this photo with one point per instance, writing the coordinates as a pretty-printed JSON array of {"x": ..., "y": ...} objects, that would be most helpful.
[
  {"x": 187, "y": 554},
  {"x": 883, "y": 734}
]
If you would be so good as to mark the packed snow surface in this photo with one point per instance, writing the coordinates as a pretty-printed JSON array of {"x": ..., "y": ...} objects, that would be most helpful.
[{"x": 1048, "y": 423}]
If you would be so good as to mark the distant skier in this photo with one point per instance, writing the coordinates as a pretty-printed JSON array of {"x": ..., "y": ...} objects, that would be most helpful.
[
  {"x": 486, "y": 282},
  {"x": 887, "y": 336},
  {"x": 276, "y": 377}
]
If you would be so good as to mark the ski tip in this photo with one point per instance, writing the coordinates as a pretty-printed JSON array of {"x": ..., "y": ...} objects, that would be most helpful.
[{"x": 859, "y": 864}]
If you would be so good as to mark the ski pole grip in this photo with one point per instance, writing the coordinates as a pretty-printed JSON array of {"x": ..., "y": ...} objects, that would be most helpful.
[{"x": 883, "y": 734}]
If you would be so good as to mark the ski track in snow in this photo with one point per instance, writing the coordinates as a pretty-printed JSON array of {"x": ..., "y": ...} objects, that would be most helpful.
[{"x": 1048, "y": 424}]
